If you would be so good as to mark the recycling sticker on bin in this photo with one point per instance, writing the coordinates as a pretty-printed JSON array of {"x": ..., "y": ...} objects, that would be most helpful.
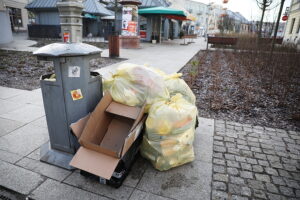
[
  {"x": 76, "y": 94},
  {"x": 74, "y": 71}
]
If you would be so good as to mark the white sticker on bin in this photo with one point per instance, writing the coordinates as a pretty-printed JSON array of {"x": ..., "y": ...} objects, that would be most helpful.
[{"x": 74, "y": 71}]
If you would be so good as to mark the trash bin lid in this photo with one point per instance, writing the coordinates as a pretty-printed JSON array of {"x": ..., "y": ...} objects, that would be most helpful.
[{"x": 67, "y": 49}]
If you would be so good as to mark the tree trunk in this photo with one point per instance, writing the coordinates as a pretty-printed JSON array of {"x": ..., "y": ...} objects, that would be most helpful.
[
  {"x": 116, "y": 10},
  {"x": 274, "y": 39},
  {"x": 261, "y": 21}
]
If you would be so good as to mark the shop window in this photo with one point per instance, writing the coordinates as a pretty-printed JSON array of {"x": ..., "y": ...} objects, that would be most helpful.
[{"x": 15, "y": 15}]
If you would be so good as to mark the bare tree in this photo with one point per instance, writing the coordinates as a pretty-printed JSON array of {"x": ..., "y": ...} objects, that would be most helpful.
[
  {"x": 263, "y": 5},
  {"x": 226, "y": 24},
  {"x": 274, "y": 38},
  {"x": 114, "y": 4}
]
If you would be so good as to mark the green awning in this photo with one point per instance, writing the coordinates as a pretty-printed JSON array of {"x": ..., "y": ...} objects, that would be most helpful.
[
  {"x": 89, "y": 16},
  {"x": 161, "y": 11}
]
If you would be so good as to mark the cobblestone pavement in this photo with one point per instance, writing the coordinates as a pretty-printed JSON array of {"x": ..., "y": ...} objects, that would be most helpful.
[{"x": 253, "y": 162}]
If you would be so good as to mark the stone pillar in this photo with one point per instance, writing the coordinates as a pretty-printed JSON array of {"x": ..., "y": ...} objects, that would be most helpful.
[
  {"x": 70, "y": 20},
  {"x": 129, "y": 36}
]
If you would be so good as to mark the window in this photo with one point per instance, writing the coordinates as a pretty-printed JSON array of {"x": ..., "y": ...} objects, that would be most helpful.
[
  {"x": 15, "y": 17},
  {"x": 292, "y": 25}
]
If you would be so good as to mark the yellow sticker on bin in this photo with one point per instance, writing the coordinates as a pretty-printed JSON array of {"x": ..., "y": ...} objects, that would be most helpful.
[{"x": 76, "y": 94}]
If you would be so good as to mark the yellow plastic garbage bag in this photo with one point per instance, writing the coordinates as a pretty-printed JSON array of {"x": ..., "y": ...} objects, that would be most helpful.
[
  {"x": 164, "y": 157},
  {"x": 170, "y": 130},
  {"x": 177, "y": 85},
  {"x": 171, "y": 116},
  {"x": 135, "y": 85}
]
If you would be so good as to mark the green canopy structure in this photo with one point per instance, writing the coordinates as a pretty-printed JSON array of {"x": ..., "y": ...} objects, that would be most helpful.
[
  {"x": 89, "y": 16},
  {"x": 161, "y": 11}
]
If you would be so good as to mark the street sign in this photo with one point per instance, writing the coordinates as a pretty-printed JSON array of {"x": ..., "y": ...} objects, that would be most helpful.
[{"x": 284, "y": 18}]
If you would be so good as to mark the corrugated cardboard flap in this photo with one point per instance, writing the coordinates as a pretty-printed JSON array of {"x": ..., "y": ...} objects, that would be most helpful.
[
  {"x": 78, "y": 126},
  {"x": 123, "y": 110},
  {"x": 94, "y": 162},
  {"x": 139, "y": 117},
  {"x": 129, "y": 140}
]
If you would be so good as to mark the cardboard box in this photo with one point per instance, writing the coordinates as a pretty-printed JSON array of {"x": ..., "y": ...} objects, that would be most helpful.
[{"x": 106, "y": 135}]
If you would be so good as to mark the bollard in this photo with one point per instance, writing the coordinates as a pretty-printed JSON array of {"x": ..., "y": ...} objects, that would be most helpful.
[{"x": 114, "y": 45}]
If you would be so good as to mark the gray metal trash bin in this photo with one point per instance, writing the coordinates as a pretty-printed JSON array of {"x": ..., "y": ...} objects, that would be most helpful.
[{"x": 73, "y": 94}]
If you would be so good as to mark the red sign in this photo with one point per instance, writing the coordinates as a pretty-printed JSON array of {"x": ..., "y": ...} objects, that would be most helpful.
[
  {"x": 67, "y": 37},
  {"x": 131, "y": 27},
  {"x": 143, "y": 34},
  {"x": 284, "y": 18}
]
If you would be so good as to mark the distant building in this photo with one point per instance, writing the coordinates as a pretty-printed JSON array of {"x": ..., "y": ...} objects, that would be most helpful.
[
  {"x": 5, "y": 31},
  {"x": 213, "y": 17},
  {"x": 292, "y": 30},
  {"x": 18, "y": 14},
  {"x": 46, "y": 21},
  {"x": 199, "y": 10},
  {"x": 268, "y": 28}
]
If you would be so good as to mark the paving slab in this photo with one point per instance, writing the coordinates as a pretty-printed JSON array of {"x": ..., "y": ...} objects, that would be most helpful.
[
  {"x": 8, "y": 106},
  {"x": 189, "y": 181},
  {"x": 7, "y": 126},
  {"x": 35, "y": 154},
  {"x": 44, "y": 169},
  {"x": 203, "y": 146},
  {"x": 9, "y": 157},
  {"x": 203, "y": 143},
  {"x": 18, "y": 179},
  {"x": 136, "y": 172},
  {"x": 93, "y": 185},
  {"x": 41, "y": 122},
  {"x": 31, "y": 97},
  {"x": 54, "y": 190},
  {"x": 138, "y": 195},
  {"x": 6, "y": 92},
  {"x": 24, "y": 140},
  {"x": 25, "y": 114}
]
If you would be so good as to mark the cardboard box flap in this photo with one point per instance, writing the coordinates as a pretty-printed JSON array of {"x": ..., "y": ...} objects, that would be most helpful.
[
  {"x": 123, "y": 110},
  {"x": 94, "y": 162},
  {"x": 78, "y": 126},
  {"x": 139, "y": 117},
  {"x": 97, "y": 121},
  {"x": 116, "y": 133},
  {"x": 132, "y": 136}
]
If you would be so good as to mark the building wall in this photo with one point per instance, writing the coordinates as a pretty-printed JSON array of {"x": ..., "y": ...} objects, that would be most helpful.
[
  {"x": 47, "y": 18},
  {"x": 21, "y": 5},
  {"x": 199, "y": 10},
  {"x": 292, "y": 29},
  {"x": 165, "y": 29},
  {"x": 5, "y": 31}
]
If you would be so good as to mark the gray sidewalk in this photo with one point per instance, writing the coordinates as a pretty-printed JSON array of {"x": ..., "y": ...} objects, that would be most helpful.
[
  {"x": 23, "y": 130},
  {"x": 170, "y": 56}
]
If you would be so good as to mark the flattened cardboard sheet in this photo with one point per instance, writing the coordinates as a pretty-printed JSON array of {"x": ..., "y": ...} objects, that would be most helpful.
[
  {"x": 94, "y": 162},
  {"x": 123, "y": 110}
]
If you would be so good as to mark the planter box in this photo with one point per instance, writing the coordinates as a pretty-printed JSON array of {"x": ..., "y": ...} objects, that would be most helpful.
[{"x": 130, "y": 42}]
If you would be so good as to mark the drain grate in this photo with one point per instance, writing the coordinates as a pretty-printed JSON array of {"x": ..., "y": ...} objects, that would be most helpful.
[
  {"x": 2, "y": 197},
  {"x": 7, "y": 194}
]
